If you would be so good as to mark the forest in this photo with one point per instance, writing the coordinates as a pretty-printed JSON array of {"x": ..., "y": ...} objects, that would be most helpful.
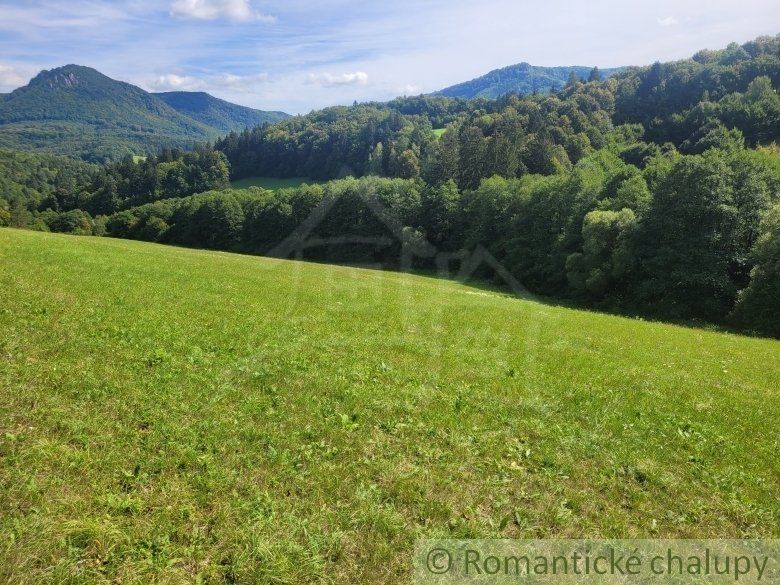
[{"x": 655, "y": 192}]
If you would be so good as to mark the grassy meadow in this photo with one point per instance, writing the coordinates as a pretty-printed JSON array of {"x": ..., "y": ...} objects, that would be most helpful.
[
  {"x": 175, "y": 415},
  {"x": 270, "y": 183}
]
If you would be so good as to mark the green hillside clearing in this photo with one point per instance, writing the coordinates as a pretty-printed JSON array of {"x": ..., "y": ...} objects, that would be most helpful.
[
  {"x": 271, "y": 183},
  {"x": 170, "y": 415}
]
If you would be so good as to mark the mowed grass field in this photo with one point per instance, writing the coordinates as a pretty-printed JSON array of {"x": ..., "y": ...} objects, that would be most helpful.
[
  {"x": 174, "y": 415},
  {"x": 270, "y": 183}
]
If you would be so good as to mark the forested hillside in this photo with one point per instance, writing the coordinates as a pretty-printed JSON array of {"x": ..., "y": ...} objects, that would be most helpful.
[
  {"x": 653, "y": 192},
  {"x": 79, "y": 112},
  {"x": 511, "y": 136},
  {"x": 524, "y": 78},
  {"x": 714, "y": 99},
  {"x": 693, "y": 102},
  {"x": 33, "y": 181},
  {"x": 218, "y": 113}
]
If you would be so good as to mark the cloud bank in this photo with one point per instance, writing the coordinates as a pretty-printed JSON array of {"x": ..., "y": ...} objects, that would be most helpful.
[
  {"x": 11, "y": 77},
  {"x": 173, "y": 82},
  {"x": 233, "y": 10},
  {"x": 329, "y": 80},
  {"x": 223, "y": 81}
]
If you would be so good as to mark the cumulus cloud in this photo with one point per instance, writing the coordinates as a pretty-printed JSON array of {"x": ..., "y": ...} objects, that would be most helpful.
[
  {"x": 11, "y": 77},
  {"x": 240, "y": 81},
  {"x": 234, "y": 10},
  {"x": 173, "y": 82},
  {"x": 329, "y": 80},
  {"x": 216, "y": 82},
  {"x": 668, "y": 21}
]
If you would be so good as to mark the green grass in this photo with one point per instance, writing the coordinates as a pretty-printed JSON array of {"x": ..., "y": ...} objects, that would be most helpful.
[
  {"x": 138, "y": 158},
  {"x": 439, "y": 132},
  {"x": 270, "y": 183},
  {"x": 170, "y": 414}
]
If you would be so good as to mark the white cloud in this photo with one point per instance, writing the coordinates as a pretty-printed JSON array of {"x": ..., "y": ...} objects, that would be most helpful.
[
  {"x": 329, "y": 80},
  {"x": 235, "y": 10},
  {"x": 668, "y": 21},
  {"x": 409, "y": 89},
  {"x": 211, "y": 83},
  {"x": 11, "y": 77},
  {"x": 240, "y": 81},
  {"x": 173, "y": 82},
  {"x": 73, "y": 14}
]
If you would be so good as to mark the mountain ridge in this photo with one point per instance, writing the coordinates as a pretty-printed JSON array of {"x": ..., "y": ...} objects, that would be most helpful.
[
  {"x": 522, "y": 78},
  {"x": 80, "y": 112},
  {"x": 218, "y": 113}
]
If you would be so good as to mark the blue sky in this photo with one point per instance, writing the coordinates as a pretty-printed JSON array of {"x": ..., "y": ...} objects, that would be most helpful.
[{"x": 298, "y": 55}]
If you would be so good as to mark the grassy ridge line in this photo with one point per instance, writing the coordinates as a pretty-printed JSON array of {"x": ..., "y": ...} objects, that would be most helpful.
[{"x": 169, "y": 413}]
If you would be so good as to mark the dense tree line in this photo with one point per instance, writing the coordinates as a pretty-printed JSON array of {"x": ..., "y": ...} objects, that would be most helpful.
[
  {"x": 32, "y": 182},
  {"x": 674, "y": 101},
  {"x": 35, "y": 188},
  {"x": 511, "y": 136},
  {"x": 171, "y": 174}
]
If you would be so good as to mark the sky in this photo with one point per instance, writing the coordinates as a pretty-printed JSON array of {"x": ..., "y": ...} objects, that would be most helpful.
[{"x": 299, "y": 55}]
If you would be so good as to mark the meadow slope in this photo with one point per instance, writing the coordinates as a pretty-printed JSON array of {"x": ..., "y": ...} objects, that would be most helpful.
[{"x": 171, "y": 414}]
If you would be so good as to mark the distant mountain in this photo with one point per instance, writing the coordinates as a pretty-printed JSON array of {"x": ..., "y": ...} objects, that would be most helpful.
[
  {"x": 522, "y": 78},
  {"x": 79, "y": 112},
  {"x": 218, "y": 113}
]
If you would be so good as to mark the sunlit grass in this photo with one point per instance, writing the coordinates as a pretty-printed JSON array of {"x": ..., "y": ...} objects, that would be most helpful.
[
  {"x": 271, "y": 183},
  {"x": 170, "y": 414}
]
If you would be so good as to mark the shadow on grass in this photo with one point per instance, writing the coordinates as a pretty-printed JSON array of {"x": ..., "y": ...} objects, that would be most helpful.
[{"x": 491, "y": 283}]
